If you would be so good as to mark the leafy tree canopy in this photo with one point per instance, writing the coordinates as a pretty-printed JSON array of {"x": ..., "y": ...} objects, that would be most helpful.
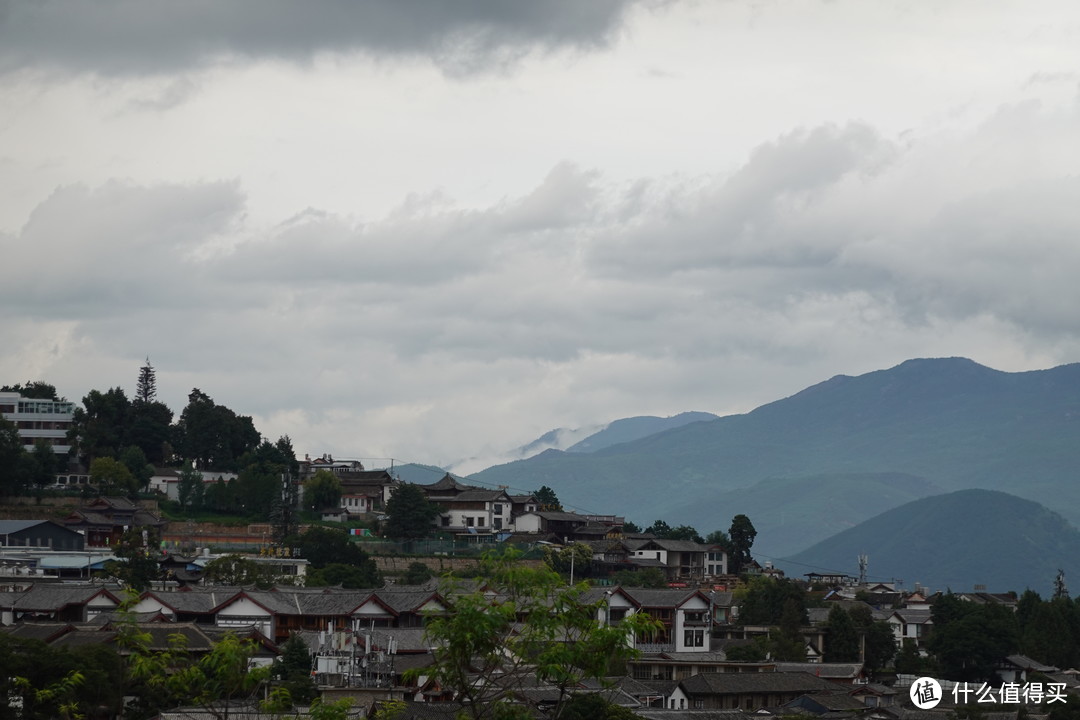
[
  {"x": 112, "y": 477},
  {"x": 35, "y": 389},
  {"x": 322, "y": 490},
  {"x": 540, "y": 627},
  {"x": 741, "y": 538},
  {"x": 351, "y": 577},
  {"x": 409, "y": 514},
  {"x": 548, "y": 499},
  {"x": 323, "y": 546}
]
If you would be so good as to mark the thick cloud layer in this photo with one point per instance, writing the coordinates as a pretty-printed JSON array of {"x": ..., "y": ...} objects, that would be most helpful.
[
  {"x": 156, "y": 36},
  {"x": 823, "y": 247},
  {"x": 723, "y": 205}
]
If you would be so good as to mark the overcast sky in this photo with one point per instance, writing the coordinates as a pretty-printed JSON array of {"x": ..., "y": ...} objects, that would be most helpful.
[{"x": 434, "y": 230}]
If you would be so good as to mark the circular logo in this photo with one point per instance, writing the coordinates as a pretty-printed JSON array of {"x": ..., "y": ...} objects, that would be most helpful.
[{"x": 925, "y": 693}]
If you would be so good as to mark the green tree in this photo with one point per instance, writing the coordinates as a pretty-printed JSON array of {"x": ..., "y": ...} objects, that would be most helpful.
[
  {"x": 841, "y": 636},
  {"x": 134, "y": 459},
  {"x": 538, "y": 627},
  {"x": 213, "y": 435},
  {"x": 43, "y": 678},
  {"x": 968, "y": 640},
  {"x": 908, "y": 660},
  {"x": 417, "y": 574},
  {"x": 684, "y": 532},
  {"x": 548, "y": 499},
  {"x": 100, "y": 428},
  {"x": 149, "y": 428},
  {"x": 112, "y": 477},
  {"x": 37, "y": 389},
  {"x": 880, "y": 645},
  {"x": 14, "y": 478},
  {"x": 350, "y": 577},
  {"x": 788, "y": 643},
  {"x": 262, "y": 479},
  {"x": 576, "y": 557},
  {"x": 1048, "y": 635},
  {"x": 646, "y": 578},
  {"x": 190, "y": 489},
  {"x": 221, "y": 678},
  {"x": 659, "y": 528},
  {"x": 239, "y": 570},
  {"x": 292, "y": 670},
  {"x": 879, "y": 642},
  {"x": 322, "y": 546},
  {"x": 44, "y": 465},
  {"x": 409, "y": 514},
  {"x": 754, "y": 651},
  {"x": 322, "y": 490},
  {"x": 146, "y": 387},
  {"x": 741, "y": 537},
  {"x": 137, "y": 567},
  {"x": 762, "y": 599},
  {"x": 592, "y": 706},
  {"x": 718, "y": 537}
]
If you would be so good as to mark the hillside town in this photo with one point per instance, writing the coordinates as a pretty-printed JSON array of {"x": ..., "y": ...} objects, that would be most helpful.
[{"x": 344, "y": 600}]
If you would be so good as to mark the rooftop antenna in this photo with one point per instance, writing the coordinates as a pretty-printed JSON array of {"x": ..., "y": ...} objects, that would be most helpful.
[
  {"x": 864, "y": 562},
  {"x": 1060, "y": 591}
]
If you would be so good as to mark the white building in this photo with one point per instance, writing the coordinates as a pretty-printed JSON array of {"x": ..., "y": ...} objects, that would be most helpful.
[{"x": 44, "y": 420}]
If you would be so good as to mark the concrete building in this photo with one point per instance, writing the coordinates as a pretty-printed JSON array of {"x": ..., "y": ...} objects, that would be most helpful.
[{"x": 45, "y": 420}]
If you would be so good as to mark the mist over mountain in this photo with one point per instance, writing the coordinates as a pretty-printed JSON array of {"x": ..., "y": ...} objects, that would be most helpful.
[
  {"x": 955, "y": 541},
  {"x": 874, "y": 441},
  {"x": 590, "y": 438}
]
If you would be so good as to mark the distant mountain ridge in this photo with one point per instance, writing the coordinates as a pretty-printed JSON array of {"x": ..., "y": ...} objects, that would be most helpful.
[
  {"x": 955, "y": 541},
  {"x": 596, "y": 437},
  {"x": 635, "y": 428},
  {"x": 944, "y": 424}
]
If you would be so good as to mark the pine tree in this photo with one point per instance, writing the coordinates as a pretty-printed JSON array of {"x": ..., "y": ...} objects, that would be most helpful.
[
  {"x": 146, "y": 388},
  {"x": 842, "y": 640}
]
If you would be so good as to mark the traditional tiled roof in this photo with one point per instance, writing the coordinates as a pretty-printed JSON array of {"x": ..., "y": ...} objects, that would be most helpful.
[
  {"x": 447, "y": 482},
  {"x": 658, "y": 714},
  {"x": 834, "y": 701},
  {"x": 44, "y": 597},
  {"x": 600, "y": 530},
  {"x": 759, "y": 682},
  {"x": 678, "y": 545},
  {"x": 478, "y": 495},
  {"x": 659, "y": 597},
  {"x": 195, "y": 600},
  {"x": 1025, "y": 663},
  {"x": 44, "y": 631},
  {"x": 562, "y": 516},
  {"x": 407, "y": 600},
  {"x": 918, "y": 617},
  {"x": 428, "y": 711},
  {"x": 825, "y": 670}
]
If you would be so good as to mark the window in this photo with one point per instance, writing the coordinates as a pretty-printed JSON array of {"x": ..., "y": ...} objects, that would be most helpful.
[
  {"x": 497, "y": 523},
  {"x": 446, "y": 520},
  {"x": 470, "y": 521},
  {"x": 498, "y": 509},
  {"x": 694, "y": 638},
  {"x": 480, "y": 522}
]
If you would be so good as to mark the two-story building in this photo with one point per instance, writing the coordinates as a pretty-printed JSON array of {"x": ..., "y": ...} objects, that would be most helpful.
[
  {"x": 39, "y": 421},
  {"x": 681, "y": 560}
]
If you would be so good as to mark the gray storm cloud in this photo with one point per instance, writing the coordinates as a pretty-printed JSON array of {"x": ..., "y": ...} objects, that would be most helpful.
[{"x": 119, "y": 37}]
